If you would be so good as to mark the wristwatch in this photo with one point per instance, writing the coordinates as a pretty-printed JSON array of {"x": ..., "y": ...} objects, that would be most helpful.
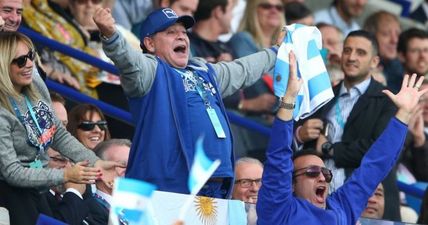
[
  {"x": 286, "y": 105},
  {"x": 326, "y": 149},
  {"x": 104, "y": 38}
]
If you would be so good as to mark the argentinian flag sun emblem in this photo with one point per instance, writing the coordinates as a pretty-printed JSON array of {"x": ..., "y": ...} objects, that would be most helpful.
[{"x": 206, "y": 209}]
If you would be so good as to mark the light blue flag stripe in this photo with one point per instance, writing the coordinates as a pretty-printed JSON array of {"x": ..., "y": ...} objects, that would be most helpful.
[
  {"x": 202, "y": 168},
  {"x": 201, "y": 157},
  {"x": 237, "y": 215},
  {"x": 312, "y": 51},
  {"x": 318, "y": 84},
  {"x": 135, "y": 186},
  {"x": 202, "y": 160},
  {"x": 316, "y": 89}
]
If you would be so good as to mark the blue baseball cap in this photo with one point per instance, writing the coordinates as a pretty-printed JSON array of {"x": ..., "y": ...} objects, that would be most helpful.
[{"x": 160, "y": 20}]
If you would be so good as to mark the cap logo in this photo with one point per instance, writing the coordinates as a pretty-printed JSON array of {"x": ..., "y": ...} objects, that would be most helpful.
[{"x": 169, "y": 13}]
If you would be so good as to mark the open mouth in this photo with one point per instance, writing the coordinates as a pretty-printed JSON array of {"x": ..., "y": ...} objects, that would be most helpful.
[
  {"x": 320, "y": 193},
  {"x": 180, "y": 49}
]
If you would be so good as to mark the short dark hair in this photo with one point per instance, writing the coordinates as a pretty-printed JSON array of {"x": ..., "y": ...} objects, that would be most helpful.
[
  {"x": 77, "y": 115},
  {"x": 205, "y": 7},
  {"x": 367, "y": 35},
  {"x": 296, "y": 11},
  {"x": 407, "y": 35},
  {"x": 305, "y": 152}
]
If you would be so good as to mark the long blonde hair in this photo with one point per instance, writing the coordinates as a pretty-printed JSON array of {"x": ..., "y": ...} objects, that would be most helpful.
[
  {"x": 8, "y": 45},
  {"x": 250, "y": 23}
]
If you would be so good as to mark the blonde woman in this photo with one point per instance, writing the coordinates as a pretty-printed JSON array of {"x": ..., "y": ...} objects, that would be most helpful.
[
  {"x": 259, "y": 27},
  {"x": 28, "y": 128}
]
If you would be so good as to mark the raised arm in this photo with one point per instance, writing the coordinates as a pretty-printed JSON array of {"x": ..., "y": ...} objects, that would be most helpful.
[
  {"x": 383, "y": 154},
  {"x": 244, "y": 71},
  {"x": 276, "y": 191},
  {"x": 137, "y": 70}
]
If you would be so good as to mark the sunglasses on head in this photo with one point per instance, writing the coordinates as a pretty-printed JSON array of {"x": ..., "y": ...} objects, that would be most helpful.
[
  {"x": 269, "y": 6},
  {"x": 89, "y": 125},
  {"x": 21, "y": 61},
  {"x": 314, "y": 171}
]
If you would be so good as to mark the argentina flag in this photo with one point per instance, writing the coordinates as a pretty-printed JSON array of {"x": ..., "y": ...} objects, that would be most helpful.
[
  {"x": 131, "y": 202},
  {"x": 202, "y": 168},
  {"x": 305, "y": 42}
]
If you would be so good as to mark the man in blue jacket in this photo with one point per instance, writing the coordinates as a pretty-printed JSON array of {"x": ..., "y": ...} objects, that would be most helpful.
[
  {"x": 300, "y": 195},
  {"x": 175, "y": 99}
]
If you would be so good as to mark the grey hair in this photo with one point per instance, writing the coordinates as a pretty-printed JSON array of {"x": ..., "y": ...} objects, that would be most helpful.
[
  {"x": 248, "y": 160},
  {"x": 101, "y": 148}
]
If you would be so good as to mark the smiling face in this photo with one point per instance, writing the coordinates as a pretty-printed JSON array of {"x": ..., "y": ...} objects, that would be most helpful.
[
  {"x": 269, "y": 13},
  {"x": 387, "y": 34},
  {"x": 21, "y": 77},
  {"x": 11, "y": 12},
  {"x": 91, "y": 138},
  {"x": 375, "y": 205},
  {"x": 313, "y": 189},
  {"x": 171, "y": 45},
  {"x": 250, "y": 171},
  {"x": 416, "y": 57},
  {"x": 358, "y": 59}
]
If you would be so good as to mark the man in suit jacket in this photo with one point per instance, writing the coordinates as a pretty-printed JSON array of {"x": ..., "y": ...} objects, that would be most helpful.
[
  {"x": 99, "y": 204},
  {"x": 66, "y": 201},
  {"x": 344, "y": 129}
]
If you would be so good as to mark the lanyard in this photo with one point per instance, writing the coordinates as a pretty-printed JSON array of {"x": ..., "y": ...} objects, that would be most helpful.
[
  {"x": 40, "y": 147},
  {"x": 30, "y": 109},
  {"x": 339, "y": 118},
  {"x": 102, "y": 201},
  {"x": 214, "y": 119},
  {"x": 199, "y": 86}
]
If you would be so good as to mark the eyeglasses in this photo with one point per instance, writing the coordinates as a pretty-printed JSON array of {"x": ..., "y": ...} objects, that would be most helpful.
[
  {"x": 269, "y": 6},
  {"x": 94, "y": 2},
  {"x": 246, "y": 183},
  {"x": 314, "y": 171},
  {"x": 418, "y": 50},
  {"x": 89, "y": 125},
  {"x": 21, "y": 61}
]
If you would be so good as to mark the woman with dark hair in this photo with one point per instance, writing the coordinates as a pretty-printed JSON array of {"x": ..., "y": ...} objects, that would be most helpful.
[
  {"x": 28, "y": 128},
  {"x": 87, "y": 123}
]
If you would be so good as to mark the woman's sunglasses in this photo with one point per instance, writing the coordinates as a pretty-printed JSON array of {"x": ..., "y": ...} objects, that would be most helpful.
[
  {"x": 314, "y": 171},
  {"x": 269, "y": 6},
  {"x": 21, "y": 61},
  {"x": 89, "y": 125}
]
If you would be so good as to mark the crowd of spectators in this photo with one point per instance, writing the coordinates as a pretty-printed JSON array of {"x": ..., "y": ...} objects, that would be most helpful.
[{"x": 155, "y": 60}]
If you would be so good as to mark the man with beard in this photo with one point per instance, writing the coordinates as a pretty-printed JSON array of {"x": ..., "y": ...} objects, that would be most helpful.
[{"x": 413, "y": 51}]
